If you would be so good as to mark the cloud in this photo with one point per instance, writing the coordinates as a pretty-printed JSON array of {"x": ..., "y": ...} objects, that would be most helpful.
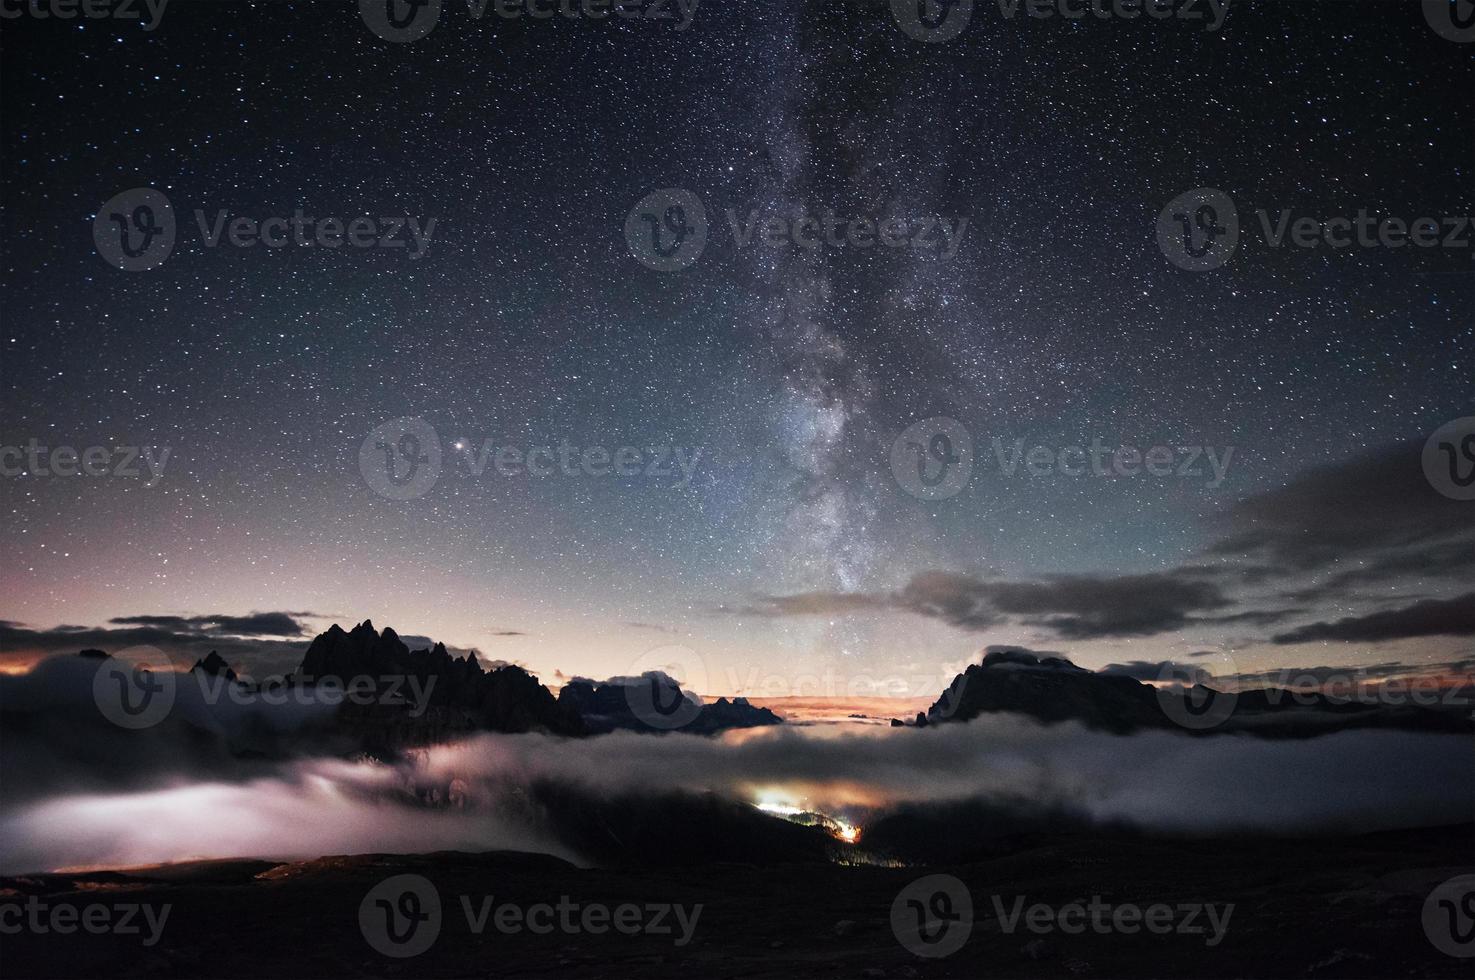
[
  {"x": 1006, "y": 652},
  {"x": 1377, "y": 509},
  {"x": 281, "y": 815},
  {"x": 1453, "y": 560},
  {"x": 649, "y": 626},
  {"x": 258, "y": 644},
  {"x": 157, "y": 631},
  {"x": 253, "y": 624},
  {"x": 1073, "y": 606},
  {"x": 958, "y": 600},
  {"x": 1428, "y": 617},
  {"x": 1369, "y": 522},
  {"x": 22, "y": 645},
  {"x": 1151, "y": 670},
  {"x": 1153, "y": 781},
  {"x": 812, "y": 604},
  {"x": 417, "y": 641},
  {"x": 1254, "y": 617},
  {"x": 1087, "y": 606},
  {"x": 1353, "y": 531},
  {"x": 1448, "y": 674}
]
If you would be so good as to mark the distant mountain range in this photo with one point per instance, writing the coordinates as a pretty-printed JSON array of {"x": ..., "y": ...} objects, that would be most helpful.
[
  {"x": 390, "y": 698},
  {"x": 1052, "y": 689},
  {"x": 461, "y": 695},
  {"x": 613, "y": 705},
  {"x": 422, "y": 697}
]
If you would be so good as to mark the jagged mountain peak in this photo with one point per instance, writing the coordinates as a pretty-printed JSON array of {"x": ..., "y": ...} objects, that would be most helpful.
[{"x": 508, "y": 699}]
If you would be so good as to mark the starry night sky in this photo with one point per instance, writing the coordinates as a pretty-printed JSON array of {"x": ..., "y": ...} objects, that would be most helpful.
[{"x": 528, "y": 321}]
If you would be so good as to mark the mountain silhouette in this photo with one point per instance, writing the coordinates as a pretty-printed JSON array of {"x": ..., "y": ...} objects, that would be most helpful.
[
  {"x": 458, "y": 692},
  {"x": 1053, "y": 690},
  {"x": 620, "y": 702},
  {"x": 214, "y": 665}
]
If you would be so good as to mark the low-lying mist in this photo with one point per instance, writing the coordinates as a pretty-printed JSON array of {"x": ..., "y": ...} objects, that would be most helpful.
[{"x": 618, "y": 797}]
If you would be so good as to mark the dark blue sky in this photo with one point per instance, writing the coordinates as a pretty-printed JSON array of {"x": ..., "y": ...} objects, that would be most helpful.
[{"x": 527, "y": 322}]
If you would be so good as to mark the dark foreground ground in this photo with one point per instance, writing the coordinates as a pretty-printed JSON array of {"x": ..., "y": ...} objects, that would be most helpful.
[{"x": 1303, "y": 909}]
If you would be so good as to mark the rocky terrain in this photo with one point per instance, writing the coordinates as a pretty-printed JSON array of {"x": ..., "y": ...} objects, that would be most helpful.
[
  {"x": 612, "y": 705},
  {"x": 505, "y": 699},
  {"x": 1353, "y": 912},
  {"x": 1052, "y": 689}
]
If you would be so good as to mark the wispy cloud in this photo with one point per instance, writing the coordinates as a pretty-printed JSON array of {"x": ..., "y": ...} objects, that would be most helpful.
[
  {"x": 1072, "y": 606},
  {"x": 1428, "y": 617}
]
